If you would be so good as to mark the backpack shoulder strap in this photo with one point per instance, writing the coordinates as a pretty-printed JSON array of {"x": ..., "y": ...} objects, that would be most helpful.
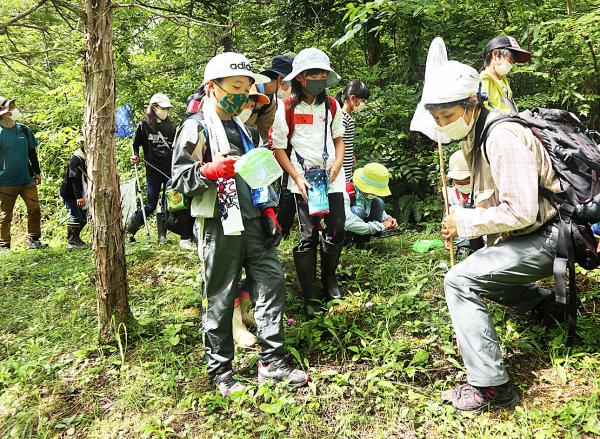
[
  {"x": 482, "y": 139},
  {"x": 289, "y": 118},
  {"x": 332, "y": 107}
]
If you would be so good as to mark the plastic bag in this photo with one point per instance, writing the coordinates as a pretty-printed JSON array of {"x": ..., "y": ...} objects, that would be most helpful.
[
  {"x": 424, "y": 245},
  {"x": 124, "y": 121}
]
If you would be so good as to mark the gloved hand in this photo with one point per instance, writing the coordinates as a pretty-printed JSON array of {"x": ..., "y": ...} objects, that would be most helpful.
[
  {"x": 220, "y": 167},
  {"x": 271, "y": 228}
]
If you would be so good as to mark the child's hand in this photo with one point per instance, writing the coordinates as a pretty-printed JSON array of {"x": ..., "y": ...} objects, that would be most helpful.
[
  {"x": 334, "y": 169},
  {"x": 303, "y": 186}
]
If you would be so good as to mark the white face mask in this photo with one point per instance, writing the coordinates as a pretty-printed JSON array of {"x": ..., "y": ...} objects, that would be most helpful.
[
  {"x": 16, "y": 114},
  {"x": 245, "y": 115},
  {"x": 459, "y": 129},
  {"x": 503, "y": 68},
  {"x": 161, "y": 113},
  {"x": 463, "y": 188},
  {"x": 284, "y": 94},
  {"x": 358, "y": 108}
]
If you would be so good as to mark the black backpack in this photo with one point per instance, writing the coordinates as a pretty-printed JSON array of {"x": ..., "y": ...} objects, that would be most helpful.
[{"x": 575, "y": 158}]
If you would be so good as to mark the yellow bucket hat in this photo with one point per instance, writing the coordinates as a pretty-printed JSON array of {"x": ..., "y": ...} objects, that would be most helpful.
[{"x": 373, "y": 179}]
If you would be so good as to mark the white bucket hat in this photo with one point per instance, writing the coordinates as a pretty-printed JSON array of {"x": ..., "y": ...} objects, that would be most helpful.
[
  {"x": 312, "y": 58},
  {"x": 451, "y": 82},
  {"x": 228, "y": 64},
  {"x": 161, "y": 100},
  {"x": 458, "y": 168}
]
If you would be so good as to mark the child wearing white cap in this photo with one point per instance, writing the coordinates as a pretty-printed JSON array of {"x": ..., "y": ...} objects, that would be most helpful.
[
  {"x": 458, "y": 195},
  {"x": 237, "y": 227},
  {"x": 311, "y": 123}
]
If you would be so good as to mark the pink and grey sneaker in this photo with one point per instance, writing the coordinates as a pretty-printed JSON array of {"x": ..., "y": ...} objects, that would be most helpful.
[
  {"x": 226, "y": 383},
  {"x": 469, "y": 398},
  {"x": 282, "y": 370}
]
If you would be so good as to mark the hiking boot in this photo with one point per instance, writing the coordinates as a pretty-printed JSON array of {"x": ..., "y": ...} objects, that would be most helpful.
[
  {"x": 469, "y": 398},
  {"x": 306, "y": 269},
  {"x": 161, "y": 228},
  {"x": 282, "y": 370},
  {"x": 226, "y": 383},
  {"x": 35, "y": 244},
  {"x": 187, "y": 244},
  {"x": 330, "y": 257},
  {"x": 73, "y": 239},
  {"x": 133, "y": 225}
]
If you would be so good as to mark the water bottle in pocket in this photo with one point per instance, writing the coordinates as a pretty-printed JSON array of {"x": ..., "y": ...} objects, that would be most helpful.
[{"x": 318, "y": 200}]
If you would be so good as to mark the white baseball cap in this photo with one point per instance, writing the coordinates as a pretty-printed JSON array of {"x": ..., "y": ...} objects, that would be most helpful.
[
  {"x": 161, "y": 100},
  {"x": 228, "y": 64},
  {"x": 458, "y": 168},
  {"x": 451, "y": 82},
  {"x": 312, "y": 58}
]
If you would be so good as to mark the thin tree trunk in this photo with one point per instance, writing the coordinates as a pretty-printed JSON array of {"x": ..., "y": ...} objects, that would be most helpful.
[{"x": 105, "y": 206}]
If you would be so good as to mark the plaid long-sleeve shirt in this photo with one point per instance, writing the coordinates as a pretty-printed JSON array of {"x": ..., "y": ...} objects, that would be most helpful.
[{"x": 507, "y": 197}]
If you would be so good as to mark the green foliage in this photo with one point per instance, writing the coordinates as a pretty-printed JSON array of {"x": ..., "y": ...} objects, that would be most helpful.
[{"x": 378, "y": 359}]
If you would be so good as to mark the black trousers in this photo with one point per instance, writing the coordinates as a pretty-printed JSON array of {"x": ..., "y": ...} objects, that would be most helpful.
[
  {"x": 287, "y": 207},
  {"x": 334, "y": 231}
]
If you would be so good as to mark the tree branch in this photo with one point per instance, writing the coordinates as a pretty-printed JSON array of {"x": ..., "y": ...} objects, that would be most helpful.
[
  {"x": 15, "y": 55},
  {"x": 173, "y": 15},
  {"x": 22, "y": 15}
]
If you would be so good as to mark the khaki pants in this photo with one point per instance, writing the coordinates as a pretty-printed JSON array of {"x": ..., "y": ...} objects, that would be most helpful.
[{"x": 8, "y": 198}]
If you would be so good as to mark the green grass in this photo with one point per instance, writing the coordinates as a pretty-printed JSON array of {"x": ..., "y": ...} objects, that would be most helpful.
[{"x": 377, "y": 370}]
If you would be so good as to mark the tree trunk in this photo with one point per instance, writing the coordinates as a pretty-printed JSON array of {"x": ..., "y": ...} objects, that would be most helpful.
[
  {"x": 105, "y": 205},
  {"x": 373, "y": 43}
]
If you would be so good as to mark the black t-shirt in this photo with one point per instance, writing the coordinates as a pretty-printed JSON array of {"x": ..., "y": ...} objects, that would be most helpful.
[{"x": 158, "y": 149}]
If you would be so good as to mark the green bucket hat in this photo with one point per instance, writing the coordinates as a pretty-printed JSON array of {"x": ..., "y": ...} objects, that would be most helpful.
[{"x": 373, "y": 179}]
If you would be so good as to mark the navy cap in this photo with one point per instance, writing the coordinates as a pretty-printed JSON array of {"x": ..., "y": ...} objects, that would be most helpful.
[
  {"x": 506, "y": 42},
  {"x": 281, "y": 65}
]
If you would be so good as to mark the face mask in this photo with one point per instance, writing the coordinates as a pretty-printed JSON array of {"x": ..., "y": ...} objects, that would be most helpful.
[
  {"x": 503, "y": 68},
  {"x": 245, "y": 115},
  {"x": 16, "y": 114},
  {"x": 358, "y": 108},
  {"x": 161, "y": 113},
  {"x": 463, "y": 188},
  {"x": 315, "y": 87},
  {"x": 284, "y": 94},
  {"x": 459, "y": 129},
  {"x": 233, "y": 103}
]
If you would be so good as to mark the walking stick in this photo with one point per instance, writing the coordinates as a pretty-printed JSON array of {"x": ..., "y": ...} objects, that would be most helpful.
[
  {"x": 445, "y": 189},
  {"x": 137, "y": 179}
]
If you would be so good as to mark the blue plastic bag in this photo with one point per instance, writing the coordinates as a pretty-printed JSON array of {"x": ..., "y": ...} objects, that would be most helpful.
[{"x": 124, "y": 121}]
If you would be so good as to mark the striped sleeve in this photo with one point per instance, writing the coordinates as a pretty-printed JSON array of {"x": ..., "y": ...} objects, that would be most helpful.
[{"x": 348, "y": 144}]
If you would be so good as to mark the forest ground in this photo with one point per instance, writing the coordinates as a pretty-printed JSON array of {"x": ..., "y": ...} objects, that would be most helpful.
[{"x": 378, "y": 360}]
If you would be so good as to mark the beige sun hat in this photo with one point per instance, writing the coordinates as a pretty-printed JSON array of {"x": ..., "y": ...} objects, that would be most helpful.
[{"x": 458, "y": 169}]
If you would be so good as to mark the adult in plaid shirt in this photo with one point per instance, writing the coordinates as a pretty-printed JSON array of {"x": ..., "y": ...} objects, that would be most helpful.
[{"x": 519, "y": 223}]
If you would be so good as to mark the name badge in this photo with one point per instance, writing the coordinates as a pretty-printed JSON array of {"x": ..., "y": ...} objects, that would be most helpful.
[{"x": 303, "y": 119}]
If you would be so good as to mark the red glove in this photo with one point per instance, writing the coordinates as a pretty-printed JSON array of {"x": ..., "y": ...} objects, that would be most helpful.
[
  {"x": 219, "y": 169},
  {"x": 271, "y": 228}
]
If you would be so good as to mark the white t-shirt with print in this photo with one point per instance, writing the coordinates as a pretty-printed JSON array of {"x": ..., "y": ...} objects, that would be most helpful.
[{"x": 308, "y": 139}]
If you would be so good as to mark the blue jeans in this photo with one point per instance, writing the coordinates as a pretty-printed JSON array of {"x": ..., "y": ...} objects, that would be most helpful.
[
  {"x": 377, "y": 209},
  {"x": 76, "y": 214},
  {"x": 154, "y": 185}
]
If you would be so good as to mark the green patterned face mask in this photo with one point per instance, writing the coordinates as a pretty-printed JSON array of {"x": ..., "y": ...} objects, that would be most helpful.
[{"x": 233, "y": 103}]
